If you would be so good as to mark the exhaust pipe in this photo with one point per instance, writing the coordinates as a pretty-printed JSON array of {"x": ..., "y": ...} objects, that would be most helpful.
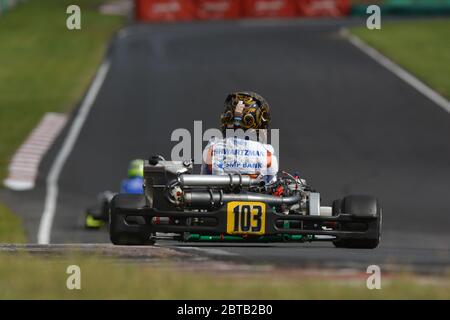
[
  {"x": 220, "y": 181},
  {"x": 211, "y": 199}
]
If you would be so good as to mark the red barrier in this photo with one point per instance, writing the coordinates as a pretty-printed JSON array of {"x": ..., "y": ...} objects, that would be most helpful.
[
  {"x": 182, "y": 10},
  {"x": 217, "y": 9},
  {"x": 326, "y": 8},
  {"x": 269, "y": 8},
  {"x": 164, "y": 10}
]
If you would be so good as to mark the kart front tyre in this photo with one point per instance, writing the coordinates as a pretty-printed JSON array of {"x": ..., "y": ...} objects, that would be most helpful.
[{"x": 91, "y": 222}]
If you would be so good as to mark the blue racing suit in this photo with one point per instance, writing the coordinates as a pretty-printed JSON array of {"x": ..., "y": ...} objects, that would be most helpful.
[{"x": 132, "y": 186}]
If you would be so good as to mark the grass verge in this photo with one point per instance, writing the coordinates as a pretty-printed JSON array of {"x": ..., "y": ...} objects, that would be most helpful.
[
  {"x": 421, "y": 47},
  {"x": 11, "y": 230},
  {"x": 44, "y": 67},
  {"x": 26, "y": 277}
]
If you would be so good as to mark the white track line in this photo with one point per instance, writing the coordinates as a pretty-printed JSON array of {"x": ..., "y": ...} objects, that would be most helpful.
[
  {"x": 68, "y": 145},
  {"x": 398, "y": 71}
]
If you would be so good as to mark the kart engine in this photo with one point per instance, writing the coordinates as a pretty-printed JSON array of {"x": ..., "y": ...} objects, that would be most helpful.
[{"x": 171, "y": 185}]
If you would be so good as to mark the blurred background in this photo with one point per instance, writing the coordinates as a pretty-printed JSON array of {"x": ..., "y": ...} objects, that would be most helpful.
[{"x": 347, "y": 123}]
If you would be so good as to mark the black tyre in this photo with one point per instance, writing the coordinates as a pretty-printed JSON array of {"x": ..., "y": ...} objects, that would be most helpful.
[
  {"x": 130, "y": 240},
  {"x": 120, "y": 232},
  {"x": 360, "y": 206},
  {"x": 337, "y": 207}
]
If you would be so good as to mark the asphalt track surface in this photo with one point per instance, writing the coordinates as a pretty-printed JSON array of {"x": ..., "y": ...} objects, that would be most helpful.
[{"x": 346, "y": 123}]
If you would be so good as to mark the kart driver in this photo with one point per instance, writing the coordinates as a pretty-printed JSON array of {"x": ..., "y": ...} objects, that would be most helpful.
[
  {"x": 135, "y": 181},
  {"x": 96, "y": 216},
  {"x": 242, "y": 149}
]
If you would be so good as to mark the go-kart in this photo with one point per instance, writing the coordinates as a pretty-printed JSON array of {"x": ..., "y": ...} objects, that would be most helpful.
[
  {"x": 96, "y": 216},
  {"x": 194, "y": 207}
]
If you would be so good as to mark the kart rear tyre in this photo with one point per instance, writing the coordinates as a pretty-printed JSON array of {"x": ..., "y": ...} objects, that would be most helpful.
[
  {"x": 360, "y": 206},
  {"x": 119, "y": 232},
  {"x": 127, "y": 240}
]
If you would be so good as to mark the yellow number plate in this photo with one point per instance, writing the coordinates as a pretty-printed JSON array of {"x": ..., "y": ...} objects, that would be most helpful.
[{"x": 246, "y": 218}]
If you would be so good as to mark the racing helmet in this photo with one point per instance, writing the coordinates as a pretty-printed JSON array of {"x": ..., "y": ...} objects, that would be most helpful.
[
  {"x": 136, "y": 169},
  {"x": 245, "y": 110}
]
